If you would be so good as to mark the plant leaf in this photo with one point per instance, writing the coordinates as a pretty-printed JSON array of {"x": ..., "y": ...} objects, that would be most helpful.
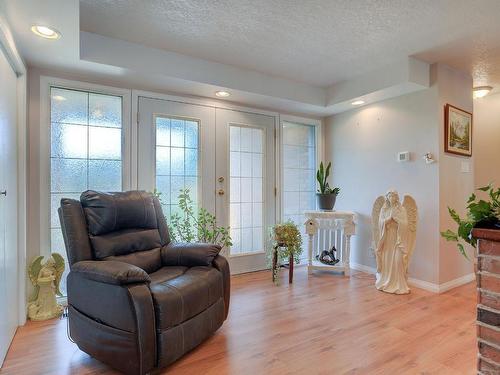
[{"x": 462, "y": 250}]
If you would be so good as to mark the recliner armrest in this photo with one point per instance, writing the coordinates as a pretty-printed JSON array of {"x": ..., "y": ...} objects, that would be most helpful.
[
  {"x": 189, "y": 254},
  {"x": 111, "y": 272}
]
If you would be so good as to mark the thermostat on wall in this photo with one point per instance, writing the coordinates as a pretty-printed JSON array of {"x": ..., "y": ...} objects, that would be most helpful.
[{"x": 403, "y": 156}]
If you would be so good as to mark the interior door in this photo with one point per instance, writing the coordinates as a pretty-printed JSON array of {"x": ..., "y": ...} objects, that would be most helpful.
[
  {"x": 246, "y": 180},
  {"x": 8, "y": 206},
  {"x": 176, "y": 151}
]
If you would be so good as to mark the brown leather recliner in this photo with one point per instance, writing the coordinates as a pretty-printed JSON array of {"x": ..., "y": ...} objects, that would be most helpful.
[{"x": 136, "y": 300}]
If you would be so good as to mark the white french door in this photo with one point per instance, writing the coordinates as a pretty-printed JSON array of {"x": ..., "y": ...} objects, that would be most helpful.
[
  {"x": 245, "y": 169},
  {"x": 225, "y": 158}
]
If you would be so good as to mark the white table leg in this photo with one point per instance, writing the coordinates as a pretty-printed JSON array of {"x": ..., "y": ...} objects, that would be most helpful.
[
  {"x": 310, "y": 253},
  {"x": 347, "y": 266}
]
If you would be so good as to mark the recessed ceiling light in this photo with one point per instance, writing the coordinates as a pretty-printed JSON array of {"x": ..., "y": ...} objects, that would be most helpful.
[
  {"x": 222, "y": 94},
  {"x": 358, "y": 102},
  {"x": 45, "y": 32},
  {"x": 481, "y": 91}
]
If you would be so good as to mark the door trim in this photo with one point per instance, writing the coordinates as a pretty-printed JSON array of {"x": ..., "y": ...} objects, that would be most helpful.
[{"x": 8, "y": 45}]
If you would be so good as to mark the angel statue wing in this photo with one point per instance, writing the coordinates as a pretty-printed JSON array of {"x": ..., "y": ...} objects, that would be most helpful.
[
  {"x": 59, "y": 260},
  {"x": 377, "y": 206},
  {"x": 33, "y": 271},
  {"x": 411, "y": 210}
]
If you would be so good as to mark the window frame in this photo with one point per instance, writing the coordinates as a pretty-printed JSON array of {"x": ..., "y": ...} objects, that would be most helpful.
[{"x": 46, "y": 83}]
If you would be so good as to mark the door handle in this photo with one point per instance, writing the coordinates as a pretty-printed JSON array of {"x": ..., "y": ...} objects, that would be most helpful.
[
  {"x": 4, "y": 192},
  {"x": 221, "y": 179}
]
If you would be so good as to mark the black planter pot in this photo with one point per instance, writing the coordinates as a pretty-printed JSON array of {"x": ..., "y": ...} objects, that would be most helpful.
[{"x": 326, "y": 202}]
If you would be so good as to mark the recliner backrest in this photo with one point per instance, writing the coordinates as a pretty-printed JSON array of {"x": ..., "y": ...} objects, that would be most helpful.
[{"x": 125, "y": 226}]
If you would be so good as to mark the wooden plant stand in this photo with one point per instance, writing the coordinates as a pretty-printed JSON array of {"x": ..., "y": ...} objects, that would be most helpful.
[{"x": 275, "y": 261}]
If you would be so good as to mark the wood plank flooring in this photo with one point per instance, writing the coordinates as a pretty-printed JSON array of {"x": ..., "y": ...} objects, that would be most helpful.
[{"x": 322, "y": 324}]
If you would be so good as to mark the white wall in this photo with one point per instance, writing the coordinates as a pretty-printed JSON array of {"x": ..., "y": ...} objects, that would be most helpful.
[
  {"x": 486, "y": 140},
  {"x": 363, "y": 144}
]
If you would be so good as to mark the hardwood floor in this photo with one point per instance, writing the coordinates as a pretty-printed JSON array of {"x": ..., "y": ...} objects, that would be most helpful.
[{"x": 323, "y": 324}]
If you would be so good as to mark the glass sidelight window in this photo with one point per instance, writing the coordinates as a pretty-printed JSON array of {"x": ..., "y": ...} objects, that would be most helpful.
[
  {"x": 177, "y": 147},
  {"x": 85, "y": 150},
  {"x": 247, "y": 160},
  {"x": 299, "y": 172}
]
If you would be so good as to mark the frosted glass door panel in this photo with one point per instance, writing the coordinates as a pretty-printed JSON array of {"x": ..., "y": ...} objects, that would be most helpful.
[
  {"x": 175, "y": 151},
  {"x": 246, "y": 188},
  {"x": 85, "y": 150},
  {"x": 177, "y": 161},
  {"x": 246, "y": 180}
]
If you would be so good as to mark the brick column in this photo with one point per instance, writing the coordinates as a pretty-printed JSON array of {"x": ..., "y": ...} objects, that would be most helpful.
[{"x": 488, "y": 301}]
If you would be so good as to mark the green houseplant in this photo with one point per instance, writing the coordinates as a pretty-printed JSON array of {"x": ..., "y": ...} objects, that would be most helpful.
[
  {"x": 326, "y": 195},
  {"x": 192, "y": 226},
  {"x": 285, "y": 244},
  {"x": 480, "y": 214}
]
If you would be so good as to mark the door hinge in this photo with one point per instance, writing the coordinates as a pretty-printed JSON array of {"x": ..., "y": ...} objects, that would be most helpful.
[
  {"x": 137, "y": 118},
  {"x": 275, "y": 191}
]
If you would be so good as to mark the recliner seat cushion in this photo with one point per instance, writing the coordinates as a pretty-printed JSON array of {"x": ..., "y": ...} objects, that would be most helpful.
[
  {"x": 167, "y": 273},
  {"x": 181, "y": 298}
]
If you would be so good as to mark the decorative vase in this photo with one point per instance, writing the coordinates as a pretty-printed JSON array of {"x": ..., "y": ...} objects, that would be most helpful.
[{"x": 326, "y": 202}]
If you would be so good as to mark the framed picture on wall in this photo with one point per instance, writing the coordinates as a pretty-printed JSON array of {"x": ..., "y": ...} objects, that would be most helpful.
[{"x": 457, "y": 131}]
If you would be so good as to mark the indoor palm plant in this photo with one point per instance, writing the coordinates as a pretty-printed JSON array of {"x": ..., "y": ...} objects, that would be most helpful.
[
  {"x": 326, "y": 195},
  {"x": 480, "y": 214}
]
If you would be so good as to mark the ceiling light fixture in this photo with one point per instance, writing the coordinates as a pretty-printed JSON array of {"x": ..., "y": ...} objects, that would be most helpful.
[
  {"x": 222, "y": 94},
  {"x": 481, "y": 91},
  {"x": 45, "y": 32},
  {"x": 358, "y": 102}
]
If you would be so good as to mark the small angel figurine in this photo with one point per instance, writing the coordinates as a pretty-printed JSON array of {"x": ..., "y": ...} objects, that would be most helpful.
[
  {"x": 45, "y": 279},
  {"x": 394, "y": 233}
]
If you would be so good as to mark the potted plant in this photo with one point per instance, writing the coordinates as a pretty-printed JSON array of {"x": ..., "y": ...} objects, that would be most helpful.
[
  {"x": 192, "y": 226},
  {"x": 480, "y": 214},
  {"x": 326, "y": 195},
  {"x": 286, "y": 244}
]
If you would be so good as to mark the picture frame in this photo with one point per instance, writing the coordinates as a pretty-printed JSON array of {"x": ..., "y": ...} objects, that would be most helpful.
[{"x": 457, "y": 131}]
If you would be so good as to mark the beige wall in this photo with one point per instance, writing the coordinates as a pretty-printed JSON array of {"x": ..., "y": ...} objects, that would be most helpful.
[
  {"x": 363, "y": 144},
  {"x": 486, "y": 141},
  {"x": 455, "y": 186}
]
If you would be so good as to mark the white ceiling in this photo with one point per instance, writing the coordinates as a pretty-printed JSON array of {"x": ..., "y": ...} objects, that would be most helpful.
[
  {"x": 319, "y": 42},
  {"x": 300, "y": 56}
]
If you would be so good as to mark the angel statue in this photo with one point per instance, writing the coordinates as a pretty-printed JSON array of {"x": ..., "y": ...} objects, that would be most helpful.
[
  {"x": 45, "y": 279},
  {"x": 394, "y": 228}
]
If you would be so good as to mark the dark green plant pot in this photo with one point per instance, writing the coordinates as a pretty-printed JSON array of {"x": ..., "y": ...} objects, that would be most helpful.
[{"x": 326, "y": 202}]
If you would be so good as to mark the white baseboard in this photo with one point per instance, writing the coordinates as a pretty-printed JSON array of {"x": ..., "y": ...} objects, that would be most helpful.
[
  {"x": 431, "y": 287},
  {"x": 457, "y": 282}
]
